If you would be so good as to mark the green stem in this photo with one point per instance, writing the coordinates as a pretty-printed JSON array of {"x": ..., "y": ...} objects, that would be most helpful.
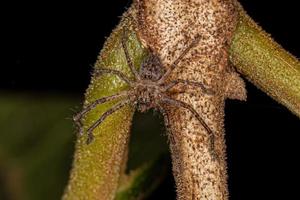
[
  {"x": 97, "y": 167},
  {"x": 266, "y": 64}
]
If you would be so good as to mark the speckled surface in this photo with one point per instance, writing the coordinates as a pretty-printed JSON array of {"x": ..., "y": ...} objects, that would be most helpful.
[{"x": 168, "y": 27}]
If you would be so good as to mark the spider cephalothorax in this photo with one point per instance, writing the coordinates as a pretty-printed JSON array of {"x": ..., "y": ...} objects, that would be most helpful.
[
  {"x": 149, "y": 89},
  {"x": 146, "y": 91}
]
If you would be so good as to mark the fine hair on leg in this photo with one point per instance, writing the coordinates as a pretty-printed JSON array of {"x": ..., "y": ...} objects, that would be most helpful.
[
  {"x": 103, "y": 117},
  {"x": 182, "y": 104},
  {"x": 78, "y": 117},
  {"x": 128, "y": 59},
  {"x": 206, "y": 90},
  {"x": 175, "y": 63},
  {"x": 166, "y": 118},
  {"x": 167, "y": 123}
]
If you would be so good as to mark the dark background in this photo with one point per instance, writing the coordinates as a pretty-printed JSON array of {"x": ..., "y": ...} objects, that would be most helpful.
[{"x": 49, "y": 47}]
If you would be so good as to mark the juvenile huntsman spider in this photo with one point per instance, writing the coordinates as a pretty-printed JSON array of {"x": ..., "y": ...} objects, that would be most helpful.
[{"x": 148, "y": 90}]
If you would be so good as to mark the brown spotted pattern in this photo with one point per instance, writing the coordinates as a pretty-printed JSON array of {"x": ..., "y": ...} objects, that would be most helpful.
[{"x": 167, "y": 27}]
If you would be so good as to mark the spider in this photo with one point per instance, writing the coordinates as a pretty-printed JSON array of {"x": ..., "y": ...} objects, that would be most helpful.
[{"x": 148, "y": 90}]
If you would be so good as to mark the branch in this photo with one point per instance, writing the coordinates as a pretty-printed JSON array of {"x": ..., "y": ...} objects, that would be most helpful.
[
  {"x": 97, "y": 167},
  {"x": 265, "y": 63}
]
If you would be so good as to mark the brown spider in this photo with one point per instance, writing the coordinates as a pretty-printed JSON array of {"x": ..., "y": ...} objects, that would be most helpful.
[{"x": 148, "y": 90}]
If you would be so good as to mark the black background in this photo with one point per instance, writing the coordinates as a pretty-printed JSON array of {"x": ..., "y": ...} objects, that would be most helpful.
[{"x": 49, "y": 47}]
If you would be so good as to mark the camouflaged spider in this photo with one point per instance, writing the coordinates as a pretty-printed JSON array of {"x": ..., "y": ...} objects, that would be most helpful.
[{"x": 148, "y": 90}]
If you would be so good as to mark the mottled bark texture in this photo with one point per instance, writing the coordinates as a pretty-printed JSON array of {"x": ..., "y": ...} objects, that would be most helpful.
[{"x": 167, "y": 27}]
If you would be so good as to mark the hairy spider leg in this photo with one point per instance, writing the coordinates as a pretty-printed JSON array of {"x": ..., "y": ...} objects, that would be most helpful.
[
  {"x": 165, "y": 115},
  {"x": 211, "y": 135},
  {"x": 167, "y": 122},
  {"x": 128, "y": 59},
  {"x": 175, "y": 63},
  {"x": 103, "y": 117},
  {"x": 77, "y": 118},
  {"x": 121, "y": 75},
  {"x": 190, "y": 83}
]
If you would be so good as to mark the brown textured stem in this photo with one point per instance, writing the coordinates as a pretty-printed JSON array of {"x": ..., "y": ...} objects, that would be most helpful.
[
  {"x": 197, "y": 174},
  {"x": 169, "y": 27},
  {"x": 265, "y": 63}
]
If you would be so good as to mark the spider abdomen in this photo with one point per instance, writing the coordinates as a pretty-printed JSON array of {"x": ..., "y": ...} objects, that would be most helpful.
[{"x": 152, "y": 68}]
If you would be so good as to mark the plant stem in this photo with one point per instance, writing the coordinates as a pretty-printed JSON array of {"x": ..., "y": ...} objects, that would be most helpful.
[
  {"x": 97, "y": 167},
  {"x": 265, "y": 63}
]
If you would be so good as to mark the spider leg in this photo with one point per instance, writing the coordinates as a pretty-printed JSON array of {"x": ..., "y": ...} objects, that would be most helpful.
[
  {"x": 167, "y": 123},
  {"x": 114, "y": 72},
  {"x": 175, "y": 63},
  {"x": 211, "y": 135},
  {"x": 77, "y": 118},
  {"x": 103, "y": 117},
  {"x": 191, "y": 83},
  {"x": 166, "y": 118},
  {"x": 129, "y": 61}
]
